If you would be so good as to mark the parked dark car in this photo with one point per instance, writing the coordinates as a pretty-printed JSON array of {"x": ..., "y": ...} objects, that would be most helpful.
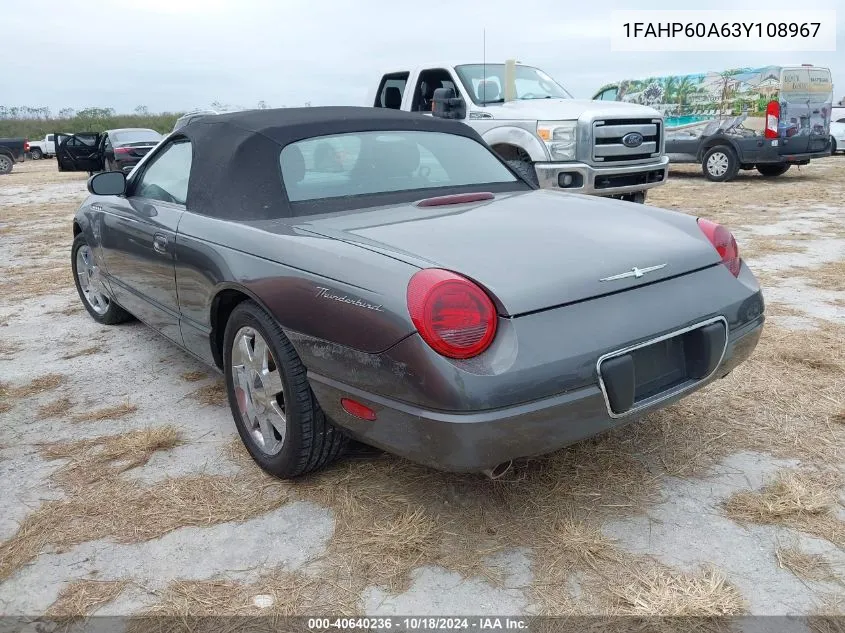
[
  {"x": 112, "y": 150},
  {"x": 12, "y": 150},
  {"x": 412, "y": 292}
]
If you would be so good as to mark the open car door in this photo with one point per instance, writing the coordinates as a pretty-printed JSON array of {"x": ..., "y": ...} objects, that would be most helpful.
[{"x": 79, "y": 152}]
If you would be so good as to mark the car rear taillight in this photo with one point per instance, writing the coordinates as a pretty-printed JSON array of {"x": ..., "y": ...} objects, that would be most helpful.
[
  {"x": 26, "y": 145},
  {"x": 122, "y": 150},
  {"x": 724, "y": 243},
  {"x": 451, "y": 313},
  {"x": 772, "y": 119}
]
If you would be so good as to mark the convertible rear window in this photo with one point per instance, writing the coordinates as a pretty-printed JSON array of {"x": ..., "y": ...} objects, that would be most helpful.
[{"x": 381, "y": 162}]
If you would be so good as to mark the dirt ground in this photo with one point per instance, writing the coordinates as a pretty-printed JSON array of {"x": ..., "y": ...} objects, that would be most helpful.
[{"x": 125, "y": 491}]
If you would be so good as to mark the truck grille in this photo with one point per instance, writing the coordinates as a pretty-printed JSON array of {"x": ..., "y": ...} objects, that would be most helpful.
[{"x": 608, "y": 134}]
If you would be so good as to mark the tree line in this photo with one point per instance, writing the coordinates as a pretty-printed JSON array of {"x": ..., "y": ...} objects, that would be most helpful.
[{"x": 36, "y": 122}]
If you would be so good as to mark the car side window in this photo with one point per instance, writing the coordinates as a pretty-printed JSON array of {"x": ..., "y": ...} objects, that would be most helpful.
[
  {"x": 50, "y": 138},
  {"x": 107, "y": 142},
  {"x": 166, "y": 177},
  {"x": 842, "y": 120}
]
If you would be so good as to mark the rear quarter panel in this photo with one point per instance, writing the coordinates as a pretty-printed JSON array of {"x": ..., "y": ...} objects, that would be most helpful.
[{"x": 315, "y": 287}]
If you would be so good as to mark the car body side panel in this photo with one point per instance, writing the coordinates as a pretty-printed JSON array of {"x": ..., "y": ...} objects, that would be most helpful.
[
  {"x": 140, "y": 275},
  {"x": 311, "y": 292},
  {"x": 542, "y": 354}
]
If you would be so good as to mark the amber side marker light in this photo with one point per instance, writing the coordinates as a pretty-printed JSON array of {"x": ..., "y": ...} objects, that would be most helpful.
[{"x": 353, "y": 407}]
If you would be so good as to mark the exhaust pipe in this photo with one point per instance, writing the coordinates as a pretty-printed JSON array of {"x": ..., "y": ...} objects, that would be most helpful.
[{"x": 498, "y": 471}]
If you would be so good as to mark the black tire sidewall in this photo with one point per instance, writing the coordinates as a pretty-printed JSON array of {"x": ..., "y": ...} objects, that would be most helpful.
[
  {"x": 286, "y": 462},
  {"x": 733, "y": 165},
  {"x": 779, "y": 170},
  {"x": 11, "y": 162}
]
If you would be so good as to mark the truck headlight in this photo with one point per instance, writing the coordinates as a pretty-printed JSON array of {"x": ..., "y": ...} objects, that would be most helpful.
[{"x": 559, "y": 137}]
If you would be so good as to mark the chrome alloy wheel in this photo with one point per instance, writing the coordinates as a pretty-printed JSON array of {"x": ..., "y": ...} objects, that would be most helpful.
[
  {"x": 717, "y": 164},
  {"x": 91, "y": 281},
  {"x": 259, "y": 390}
]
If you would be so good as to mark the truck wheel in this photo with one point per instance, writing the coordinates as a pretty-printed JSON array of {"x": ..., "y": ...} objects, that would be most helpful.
[
  {"x": 719, "y": 164},
  {"x": 833, "y": 149},
  {"x": 6, "y": 164},
  {"x": 525, "y": 170},
  {"x": 770, "y": 171},
  {"x": 36, "y": 154}
]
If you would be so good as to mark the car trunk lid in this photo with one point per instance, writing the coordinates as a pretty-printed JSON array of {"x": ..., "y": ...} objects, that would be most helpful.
[{"x": 533, "y": 250}]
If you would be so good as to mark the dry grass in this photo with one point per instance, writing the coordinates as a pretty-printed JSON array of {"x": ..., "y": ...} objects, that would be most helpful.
[
  {"x": 829, "y": 276},
  {"x": 25, "y": 282},
  {"x": 193, "y": 376},
  {"x": 75, "y": 308},
  {"x": 213, "y": 395},
  {"x": 82, "y": 598},
  {"x": 106, "y": 413},
  {"x": 660, "y": 592},
  {"x": 87, "y": 351},
  {"x": 8, "y": 349},
  {"x": 803, "y": 564},
  {"x": 99, "y": 503},
  {"x": 761, "y": 246},
  {"x": 39, "y": 385},
  {"x": 802, "y": 500},
  {"x": 54, "y": 409}
]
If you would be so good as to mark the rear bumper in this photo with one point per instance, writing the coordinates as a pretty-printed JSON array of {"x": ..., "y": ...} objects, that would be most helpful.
[
  {"x": 473, "y": 441},
  {"x": 603, "y": 181},
  {"x": 782, "y": 155}
]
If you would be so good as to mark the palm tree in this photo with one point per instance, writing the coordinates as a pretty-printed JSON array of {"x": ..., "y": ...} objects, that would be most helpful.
[{"x": 683, "y": 90}]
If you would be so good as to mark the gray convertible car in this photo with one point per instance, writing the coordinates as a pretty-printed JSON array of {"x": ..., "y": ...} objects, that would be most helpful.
[{"x": 384, "y": 276}]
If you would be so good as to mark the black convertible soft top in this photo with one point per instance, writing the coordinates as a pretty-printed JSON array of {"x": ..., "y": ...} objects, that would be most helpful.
[{"x": 235, "y": 171}]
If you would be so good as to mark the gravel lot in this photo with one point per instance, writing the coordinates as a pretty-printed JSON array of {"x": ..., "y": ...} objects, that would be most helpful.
[{"x": 125, "y": 490}]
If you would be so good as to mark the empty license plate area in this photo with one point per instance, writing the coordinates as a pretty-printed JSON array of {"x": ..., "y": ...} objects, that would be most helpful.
[{"x": 636, "y": 377}]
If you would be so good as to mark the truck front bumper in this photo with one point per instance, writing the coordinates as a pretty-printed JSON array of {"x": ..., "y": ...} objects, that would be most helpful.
[{"x": 602, "y": 181}]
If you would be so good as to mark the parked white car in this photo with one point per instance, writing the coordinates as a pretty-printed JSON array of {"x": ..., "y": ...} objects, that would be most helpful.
[{"x": 837, "y": 130}]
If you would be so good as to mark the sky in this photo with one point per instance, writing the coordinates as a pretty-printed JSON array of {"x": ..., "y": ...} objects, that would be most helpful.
[{"x": 176, "y": 55}]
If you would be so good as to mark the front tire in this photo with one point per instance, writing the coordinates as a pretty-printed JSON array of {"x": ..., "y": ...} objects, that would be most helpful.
[
  {"x": 91, "y": 287},
  {"x": 36, "y": 154},
  {"x": 833, "y": 148},
  {"x": 275, "y": 411},
  {"x": 525, "y": 170},
  {"x": 720, "y": 164},
  {"x": 771, "y": 171}
]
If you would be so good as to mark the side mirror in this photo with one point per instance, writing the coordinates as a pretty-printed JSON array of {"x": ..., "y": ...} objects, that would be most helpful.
[
  {"x": 447, "y": 105},
  {"x": 108, "y": 183}
]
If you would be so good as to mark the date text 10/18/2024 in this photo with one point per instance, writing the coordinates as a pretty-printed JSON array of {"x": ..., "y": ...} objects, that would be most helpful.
[{"x": 418, "y": 624}]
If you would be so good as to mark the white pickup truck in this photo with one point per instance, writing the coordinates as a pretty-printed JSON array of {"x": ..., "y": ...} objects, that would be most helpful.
[
  {"x": 593, "y": 147},
  {"x": 45, "y": 148}
]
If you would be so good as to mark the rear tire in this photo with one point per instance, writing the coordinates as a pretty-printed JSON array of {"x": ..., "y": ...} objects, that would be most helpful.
[
  {"x": 525, "y": 170},
  {"x": 36, "y": 154},
  {"x": 771, "y": 171},
  {"x": 720, "y": 164},
  {"x": 833, "y": 148},
  {"x": 7, "y": 163},
  {"x": 308, "y": 441}
]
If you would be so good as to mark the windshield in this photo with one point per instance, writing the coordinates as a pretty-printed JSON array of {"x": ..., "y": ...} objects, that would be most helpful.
[
  {"x": 486, "y": 83},
  {"x": 135, "y": 136},
  {"x": 368, "y": 163}
]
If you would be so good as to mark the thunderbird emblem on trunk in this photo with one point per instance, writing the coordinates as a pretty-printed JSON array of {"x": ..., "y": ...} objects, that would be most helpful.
[{"x": 634, "y": 272}]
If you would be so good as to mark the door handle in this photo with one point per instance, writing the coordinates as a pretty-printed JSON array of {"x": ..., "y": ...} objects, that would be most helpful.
[{"x": 160, "y": 243}]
